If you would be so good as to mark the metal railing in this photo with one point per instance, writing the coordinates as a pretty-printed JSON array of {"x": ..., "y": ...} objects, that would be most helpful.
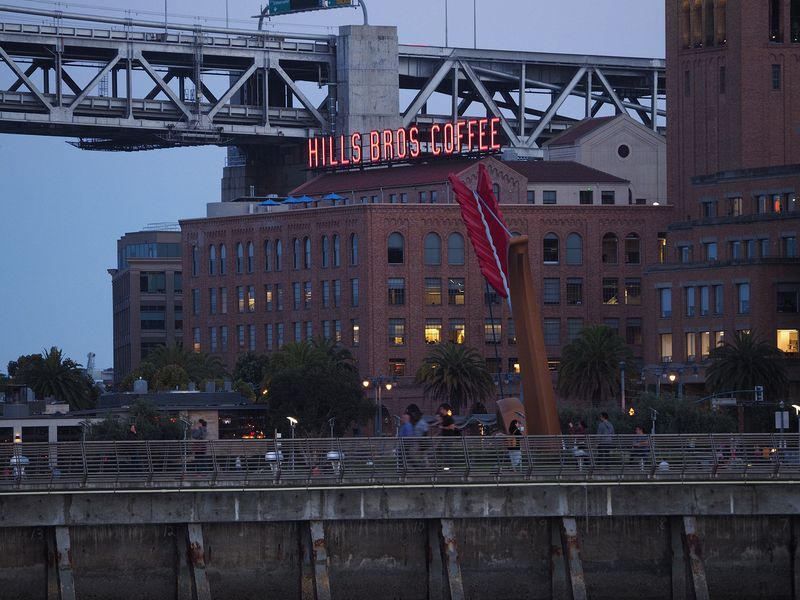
[{"x": 384, "y": 460}]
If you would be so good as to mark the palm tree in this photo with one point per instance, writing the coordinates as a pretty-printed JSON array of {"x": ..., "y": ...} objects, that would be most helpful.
[
  {"x": 197, "y": 365},
  {"x": 53, "y": 375},
  {"x": 745, "y": 363},
  {"x": 456, "y": 374},
  {"x": 590, "y": 365}
]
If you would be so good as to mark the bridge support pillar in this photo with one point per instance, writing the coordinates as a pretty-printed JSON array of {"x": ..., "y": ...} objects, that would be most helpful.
[
  {"x": 197, "y": 562},
  {"x": 694, "y": 552},
  {"x": 63, "y": 562},
  {"x": 678, "y": 559},
  {"x": 572, "y": 554},
  {"x": 449, "y": 550},
  {"x": 558, "y": 567},
  {"x": 319, "y": 560},
  {"x": 795, "y": 554},
  {"x": 436, "y": 574}
]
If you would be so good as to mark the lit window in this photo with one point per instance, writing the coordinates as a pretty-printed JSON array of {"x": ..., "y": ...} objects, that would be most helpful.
[
  {"x": 455, "y": 291},
  {"x": 397, "y": 291},
  {"x": 610, "y": 290},
  {"x": 787, "y": 340},
  {"x": 691, "y": 350},
  {"x": 666, "y": 347},
  {"x": 433, "y": 331},
  {"x": 633, "y": 291},
  {"x": 397, "y": 332},
  {"x": 433, "y": 291},
  {"x": 456, "y": 331},
  {"x": 492, "y": 331}
]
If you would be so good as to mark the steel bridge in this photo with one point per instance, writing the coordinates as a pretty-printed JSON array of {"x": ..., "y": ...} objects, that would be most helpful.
[{"x": 123, "y": 84}]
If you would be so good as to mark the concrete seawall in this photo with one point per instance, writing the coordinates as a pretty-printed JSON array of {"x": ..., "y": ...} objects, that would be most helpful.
[{"x": 593, "y": 540}]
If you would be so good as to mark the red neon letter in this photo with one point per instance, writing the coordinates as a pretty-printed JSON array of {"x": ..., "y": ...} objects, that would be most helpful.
[
  {"x": 448, "y": 138},
  {"x": 374, "y": 146},
  {"x": 470, "y": 124},
  {"x": 434, "y": 130},
  {"x": 413, "y": 137},
  {"x": 481, "y": 127},
  {"x": 493, "y": 134},
  {"x": 355, "y": 148},
  {"x": 332, "y": 152},
  {"x": 313, "y": 153},
  {"x": 388, "y": 148},
  {"x": 342, "y": 158},
  {"x": 324, "y": 160},
  {"x": 459, "y": 136},
  {"x": 402, "y": 143}
]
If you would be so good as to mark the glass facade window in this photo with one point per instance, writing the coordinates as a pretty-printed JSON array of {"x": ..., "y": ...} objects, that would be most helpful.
[
  {"x": 633, "y": 331},
  {"x": 609, "y": 249},
  {"x": 152, "y": 282},
  {"x": 296, "y": 251},
  {"x": 296, "y": 295},
  {"x": 633, "y": 291},
  {"x": 787, "y": 297},
  {"x": 223, "y": 300},
  {"x": 395, "y": 249},
  {"x": 397, "y": 367},
  {"x": 337, "y": 293},
  {"x": 551, "y": 330},
  {"x": 251, "y": 338},
  {"x": 239, "y": 257},
  {"x": 552, "y": 290},
  {"x": 240, "y": 298},
  {"x": 690, "y": 301},
  {"x": 278, "y": 255},
  {"x": 612, "y": 324},
  {"x": 212, "y": 338},
  {"x": 719, "y": 338},
  {"x": 212, "y": 300},
  {"x": 212, "y": 260},
  {"x": 397, "y": 291},
  {"x": 223, "y": 338},
  {"x": 433, "y": 291},
  {"x": 433, "y": 249},
  {"x": 684, "y": 254},
  {"x": 455, "y": 291},
  {"x": 397, "y": 332},
  {"x": 269, "y": 296},
  {"x": 433, "y": 331},
  {"x": 550, "y": 249},
  {"x": 240, "y": 336},
  {"x": 665, "y": 349},
  {"x": 705, "y": 344},
  {"x": 326, "y": 294},
  {"x": 719, "y": 299},
  {"x": 491, "y": 297},
  {"x": 511, "y": 332},
  {"x": 574, "y": 327},
  {"x": 549, "y": 197},
  {"x": 610, "y": 290},
  {"x": 355, "y": 327},
  {"x": 586, "y": 196},
  {"x": 306, "y": 253},
  {"x": 789, "y": 246},
  {"x": 152, "y": 317},
  {"x": 492, "y": 331},
  {"x": 607, "y": 197},
  {"x": 195, "y": 301},
  {"x": 325, "y": 251},
  {"x": 691, "y": 349},
  {"x": 705, "y": 299},
  {"x": 298, "y": 331},
  {"x": 455, "y": 249},
  {"x": 280, "y": 335},
  {"x": 711, "y": 250},
  {"x": 632, "y": 255},
  {"x": 309, "y": 330},
  {"x": 743, "y": 296},
  {"x": 456, "y": 331},
  {"x": 307, "y": 294},
  {"x": 269, "y": 341},
  {"x": 251, "y": 256},
  {"x": 353, "y": 249},
  {"x": 326, "y": 329},
  {"x": 574, "y": 249},
  {"x": 278, "y": 296},
  {"x": 267, "y": 255},
  {"x": 665, "y": 302},
  {"x": 531, "y": 196},
  {"x": 787, "y": 340},
  {"x": 337, "y": 251},
  {"x": 574, "y": 291},
  {"x": 354, "y": 300}
]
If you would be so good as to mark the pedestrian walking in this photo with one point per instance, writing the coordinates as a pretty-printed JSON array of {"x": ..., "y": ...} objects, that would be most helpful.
[
  {"x": 514, "y": 451},
  {"x": 605, "y": 440}
]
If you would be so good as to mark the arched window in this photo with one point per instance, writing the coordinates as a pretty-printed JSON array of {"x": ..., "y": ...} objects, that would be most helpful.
[
  {"x": 239, "y": 257},
  {"x": 337, "y": 256},
  {"x": 632, "y": 256},
  {"x": 353, "y": 249},
  {"x": 496, "y": 191},
  {"x": 455, "y": 249},
  {"x": 307, "y": 253},
  {"x": 697, "y": 23},
  {"x": 709, "y": 22},
  {"x": 212, "y": 259},
  {"x": 295, "y": 254},
  {"x": 251, "y": 252},
  {"x": 550, "y": 249},
  {"x": 433, "y": 249},
  {"x": 686, "y": 24},
  {"x": 721, "y": 24},
  {"x": 267, "y": 255},
  {"x": 325, "y": 251},
  {"x": 610, "y": 244},
  {"x": 396, "y": 249},
  {"x": 195, "y": 261},
  {"x": 278, "y": 255},
  {"x": 223, "y": 259},
  {"x": 574, "y": 249}
]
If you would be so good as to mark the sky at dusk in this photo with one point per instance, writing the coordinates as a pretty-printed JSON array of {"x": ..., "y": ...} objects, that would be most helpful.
[{"x": 63, "y": 209}]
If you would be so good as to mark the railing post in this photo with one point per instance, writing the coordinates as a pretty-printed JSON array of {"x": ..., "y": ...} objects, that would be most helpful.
[
  {"x": 150, "y": 466},
  {"x": 467, "y": 461}
]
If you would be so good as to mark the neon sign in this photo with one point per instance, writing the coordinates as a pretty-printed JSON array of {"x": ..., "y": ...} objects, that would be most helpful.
[{"x": 387, "y": 145}]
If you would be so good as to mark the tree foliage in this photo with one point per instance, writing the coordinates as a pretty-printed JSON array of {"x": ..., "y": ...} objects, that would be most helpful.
[
  {"x": 150, "y": 425},
  {"x": 314, "y": 381},
  {"x": 745, "y": 363},
  {"x": 251, "y": 367},
  {"x": 589, "y": 367},
  {"x": 456, "y": 374},
  {"x": 171, "y": 367},
  {"x": 53, "y": 375}
]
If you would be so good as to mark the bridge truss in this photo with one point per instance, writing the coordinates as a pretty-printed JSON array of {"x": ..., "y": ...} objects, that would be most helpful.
[{"x": 136, "y": 85}]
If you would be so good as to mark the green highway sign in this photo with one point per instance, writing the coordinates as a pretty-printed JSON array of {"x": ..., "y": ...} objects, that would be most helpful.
[{"x": 281, "y": 7}]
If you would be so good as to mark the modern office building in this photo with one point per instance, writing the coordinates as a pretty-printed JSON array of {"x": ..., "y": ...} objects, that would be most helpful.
[
  {"x": 733, "y": 145},
  {"x": 385, "y": 266},
  {"x": 147, "y": 294}
]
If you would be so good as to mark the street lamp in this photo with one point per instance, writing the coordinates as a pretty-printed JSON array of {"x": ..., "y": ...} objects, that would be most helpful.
[
  {"x": 378, "y": 382},
  {"x": 292, "y": 423}
]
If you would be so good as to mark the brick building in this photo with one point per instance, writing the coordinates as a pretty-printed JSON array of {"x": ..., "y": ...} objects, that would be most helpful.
[
  {"x": 733, "y": 153},
  {"x": 387, "y": 269},
  {"x": 147, "y": 293}
]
